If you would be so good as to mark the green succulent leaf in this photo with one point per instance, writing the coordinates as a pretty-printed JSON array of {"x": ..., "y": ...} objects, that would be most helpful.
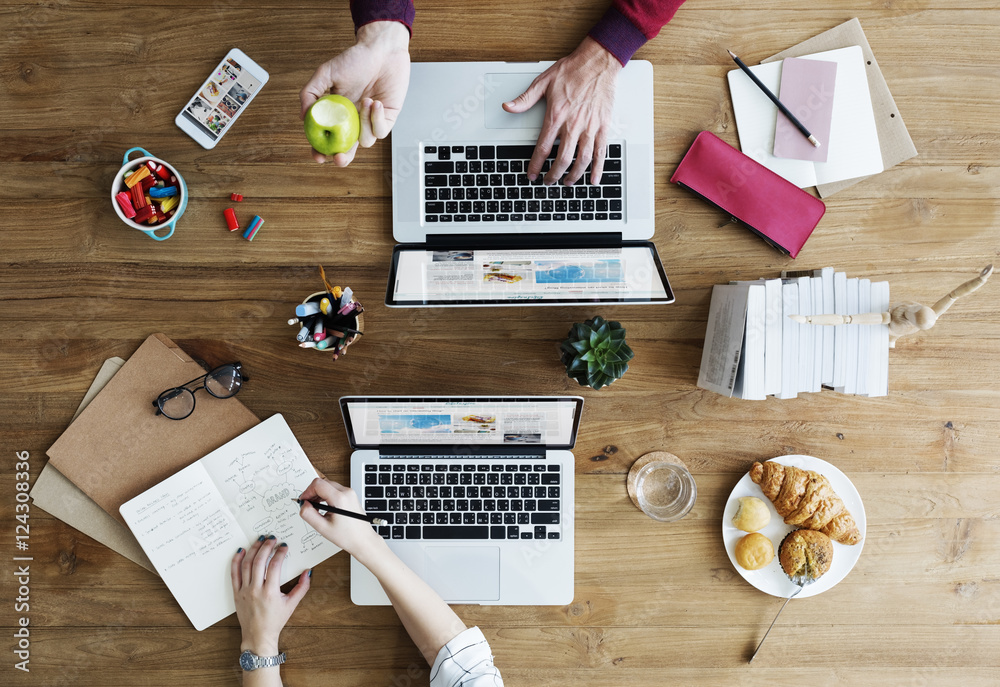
[
  {"x": 615, "y": 357},
  {"x": 595, "y": 337},
  {"x": 617, "y": 369}
]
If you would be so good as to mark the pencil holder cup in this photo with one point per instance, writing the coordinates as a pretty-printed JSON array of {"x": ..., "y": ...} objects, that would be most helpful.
[
  {"x": 119, "y": 186},
  {"x": 337, "y": 344}
]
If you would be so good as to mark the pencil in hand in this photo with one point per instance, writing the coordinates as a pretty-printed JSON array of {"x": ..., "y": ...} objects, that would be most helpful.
[
  {"x": 784, "y": 110},
  {"x": 340, "y": 511}
]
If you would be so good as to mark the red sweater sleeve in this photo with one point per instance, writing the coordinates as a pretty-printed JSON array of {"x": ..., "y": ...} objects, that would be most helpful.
[
  {"x": 366, "y": 11},
  {"x": 628, "y": 24}
]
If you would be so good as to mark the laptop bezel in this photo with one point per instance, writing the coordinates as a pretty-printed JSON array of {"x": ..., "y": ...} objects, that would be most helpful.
[
  {"x": 470, "y": 449},
  {"x": 516, "y": 242}
]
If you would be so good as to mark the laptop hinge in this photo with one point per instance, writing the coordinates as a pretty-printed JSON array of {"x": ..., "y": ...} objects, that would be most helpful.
[
  {"x": 458, "y": 451},
  {"x": 608, "y": 239}
]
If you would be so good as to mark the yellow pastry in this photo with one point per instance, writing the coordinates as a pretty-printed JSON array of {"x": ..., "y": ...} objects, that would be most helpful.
[
  {"x": 754, "y": 551},
  {"x": 752, "y": 514}
]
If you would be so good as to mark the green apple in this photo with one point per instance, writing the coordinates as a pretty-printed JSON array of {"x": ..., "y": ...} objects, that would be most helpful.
[{"x": 332, "y": 124}]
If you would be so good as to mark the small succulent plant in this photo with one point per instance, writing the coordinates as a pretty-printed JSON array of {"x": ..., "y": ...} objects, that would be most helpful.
[{"x": 595, "y": 353}]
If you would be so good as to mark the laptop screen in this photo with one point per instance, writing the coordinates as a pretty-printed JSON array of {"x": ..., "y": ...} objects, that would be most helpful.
[
  {"x": 374, "y": 421},
  {"x": 630, "y": 273}
]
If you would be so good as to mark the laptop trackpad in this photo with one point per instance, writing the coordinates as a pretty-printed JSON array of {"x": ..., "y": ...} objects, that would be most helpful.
[
  {"x": 503, "y": 87},
  {"x": 463, "y": 573}
]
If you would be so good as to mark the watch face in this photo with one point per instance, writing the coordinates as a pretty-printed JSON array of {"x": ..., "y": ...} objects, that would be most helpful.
[{"x": 247, "y": 661}]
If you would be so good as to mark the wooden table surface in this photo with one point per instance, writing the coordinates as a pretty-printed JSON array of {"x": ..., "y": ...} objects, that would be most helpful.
[{"x": 655, "y": 604}]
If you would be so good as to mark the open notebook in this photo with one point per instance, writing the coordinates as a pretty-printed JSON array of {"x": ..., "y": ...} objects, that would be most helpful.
[
  {"x": 191, "y": 524},
  {"x": 854, "y": 144}
]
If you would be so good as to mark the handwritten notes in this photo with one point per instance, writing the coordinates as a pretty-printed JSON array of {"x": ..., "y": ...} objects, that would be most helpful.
[{"x": 191, "y": 524}]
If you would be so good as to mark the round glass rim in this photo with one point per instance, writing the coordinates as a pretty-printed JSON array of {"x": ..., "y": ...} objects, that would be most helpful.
[{"x": 651, "y": 510}]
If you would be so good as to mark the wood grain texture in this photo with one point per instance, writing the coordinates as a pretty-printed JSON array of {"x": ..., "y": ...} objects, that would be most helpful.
[{"x": 655, "y": 603}]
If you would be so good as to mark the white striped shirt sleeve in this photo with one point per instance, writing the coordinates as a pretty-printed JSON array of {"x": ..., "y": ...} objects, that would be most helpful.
[{"x": 465, "y": 661}]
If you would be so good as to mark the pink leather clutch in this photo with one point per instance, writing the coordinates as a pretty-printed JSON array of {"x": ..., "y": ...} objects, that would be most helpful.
[{"x": 775, "y": 209}]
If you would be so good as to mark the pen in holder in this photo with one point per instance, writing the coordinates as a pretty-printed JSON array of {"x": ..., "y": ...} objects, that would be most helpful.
[{"x": 329, "y": 320}]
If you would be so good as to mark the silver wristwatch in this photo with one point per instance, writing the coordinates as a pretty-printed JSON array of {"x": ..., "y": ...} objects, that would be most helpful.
[{"x": 251, "y": 661}]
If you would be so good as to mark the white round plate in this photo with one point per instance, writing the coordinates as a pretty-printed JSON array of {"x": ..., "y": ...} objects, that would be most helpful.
[{"x": 772, "y": 579}]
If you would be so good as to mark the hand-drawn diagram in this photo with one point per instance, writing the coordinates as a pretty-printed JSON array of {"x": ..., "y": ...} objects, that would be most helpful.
[{"x": 265, "y": 484}]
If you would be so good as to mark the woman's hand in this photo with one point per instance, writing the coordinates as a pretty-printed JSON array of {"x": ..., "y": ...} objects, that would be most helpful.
[
  {"x": 374, "y": 74},
  {"x": 260, "y": 606},
  {"x": 354, "y": 536}
]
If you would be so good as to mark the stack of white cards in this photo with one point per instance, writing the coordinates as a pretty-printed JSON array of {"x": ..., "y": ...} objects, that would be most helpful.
[{"x": 753, "y": 349}]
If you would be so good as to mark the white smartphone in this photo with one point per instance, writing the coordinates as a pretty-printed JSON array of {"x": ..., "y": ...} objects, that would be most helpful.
[{"x": 223, "y": 97}]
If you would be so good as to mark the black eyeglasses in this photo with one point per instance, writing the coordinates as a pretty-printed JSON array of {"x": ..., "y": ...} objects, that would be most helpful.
[{"x": 224, "y": 381}]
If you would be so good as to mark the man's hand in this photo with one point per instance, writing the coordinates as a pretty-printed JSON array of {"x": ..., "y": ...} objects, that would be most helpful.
[
  {"x": 373, "y": 73},
  {"x": 580, "y": 94}
]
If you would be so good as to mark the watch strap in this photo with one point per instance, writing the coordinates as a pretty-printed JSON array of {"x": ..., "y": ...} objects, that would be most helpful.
[{"x": 251, "y": 661}]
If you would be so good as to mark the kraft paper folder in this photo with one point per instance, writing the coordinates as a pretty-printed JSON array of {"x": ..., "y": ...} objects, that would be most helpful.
[
  {"x": 62, "y": 499},
  {"x": 894, "y": 141},
  {"x": 118, "y": 447}
]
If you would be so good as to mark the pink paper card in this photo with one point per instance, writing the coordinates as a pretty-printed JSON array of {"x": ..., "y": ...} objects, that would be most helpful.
[{"x": 806, "y": 89}]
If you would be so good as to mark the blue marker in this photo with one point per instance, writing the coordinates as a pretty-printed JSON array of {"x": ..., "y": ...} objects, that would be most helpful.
[{"x": 306, "y": 309}]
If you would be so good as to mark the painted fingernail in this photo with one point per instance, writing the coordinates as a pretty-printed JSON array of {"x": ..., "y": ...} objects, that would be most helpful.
[
  {"x": 239, "y": 550},
  {"x": 271, "y": 537},
  {"x": 261, "y": 538},
  {"x": 282, "y": 544},
  {"x": 300, "y": 501},
  {"x": 310, "y": 573}
]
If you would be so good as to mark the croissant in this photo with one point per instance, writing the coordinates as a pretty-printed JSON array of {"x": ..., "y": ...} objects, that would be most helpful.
[{"x": 805, "y": 498}]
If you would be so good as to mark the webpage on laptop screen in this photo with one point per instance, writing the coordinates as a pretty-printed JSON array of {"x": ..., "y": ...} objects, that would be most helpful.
[
  {"x": 462, "y": 422},
  {"x": 529, "y": 275}
]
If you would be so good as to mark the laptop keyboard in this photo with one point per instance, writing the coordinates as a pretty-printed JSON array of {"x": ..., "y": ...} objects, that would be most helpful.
[
  {"x": 434, "y": 501},
  {"x": 489, "y": 183}
]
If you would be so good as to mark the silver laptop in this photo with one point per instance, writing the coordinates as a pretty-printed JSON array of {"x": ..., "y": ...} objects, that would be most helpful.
[
  {"x": 459, "y": 161},
  {"x": 478, "y": 493}
]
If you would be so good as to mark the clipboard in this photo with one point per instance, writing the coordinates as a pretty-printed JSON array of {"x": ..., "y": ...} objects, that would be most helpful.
[
  {"x": 62, "y": 499},
  {"x": 894, "y": 140},
  {"x": 118, "y": 447}
]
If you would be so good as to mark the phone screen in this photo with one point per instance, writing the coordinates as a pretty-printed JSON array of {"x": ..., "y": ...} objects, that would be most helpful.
[{"x": 220, "y": 99}]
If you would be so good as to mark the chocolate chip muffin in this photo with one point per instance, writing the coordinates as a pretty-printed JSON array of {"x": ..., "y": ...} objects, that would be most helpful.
[{"x": 805, "y": 555}]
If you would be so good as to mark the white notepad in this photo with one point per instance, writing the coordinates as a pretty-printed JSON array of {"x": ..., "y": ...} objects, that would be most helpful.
[
  {"x": 191, "y": 524},
  {"x": 854, "y": 145}
]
